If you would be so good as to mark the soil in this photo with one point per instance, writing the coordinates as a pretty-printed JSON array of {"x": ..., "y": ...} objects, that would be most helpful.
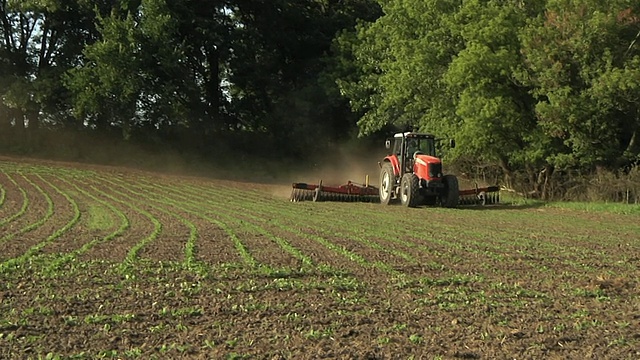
[{"x": 505, "y": 283}]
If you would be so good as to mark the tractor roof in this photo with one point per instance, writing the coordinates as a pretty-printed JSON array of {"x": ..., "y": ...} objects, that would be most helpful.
[{"x": 414, "y": 135}]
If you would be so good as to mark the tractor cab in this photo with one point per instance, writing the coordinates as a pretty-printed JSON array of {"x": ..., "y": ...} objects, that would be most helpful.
[
  {"x": 408, "y": 146},
  {"x": 413, "y": 172},
  {"x": 411, "y": 151},
  {"x": 422, "y": 143}
]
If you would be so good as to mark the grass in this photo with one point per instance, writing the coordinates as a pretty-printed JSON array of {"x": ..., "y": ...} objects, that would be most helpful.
[
  {"x": 599, "y": 207},
  {"x": 586, "y": 206}
]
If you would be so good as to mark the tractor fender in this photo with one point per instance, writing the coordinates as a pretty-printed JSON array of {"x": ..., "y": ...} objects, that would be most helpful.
[{"x": 393, "y": 159}]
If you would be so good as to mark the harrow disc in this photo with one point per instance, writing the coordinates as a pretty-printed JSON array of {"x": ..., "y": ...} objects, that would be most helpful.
[
  {"x": 371, "y": 198},
  {"x": 350, "y": 192},
  {"x": 298, "y": 195},
  {"x": 301, "y": 195},
  {"x": 482, "y": 198}
]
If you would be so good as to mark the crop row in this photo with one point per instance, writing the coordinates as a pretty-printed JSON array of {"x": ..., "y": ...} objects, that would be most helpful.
[
  {"x": 395, "y": 238},
  {"x": 110, "y": 253}
]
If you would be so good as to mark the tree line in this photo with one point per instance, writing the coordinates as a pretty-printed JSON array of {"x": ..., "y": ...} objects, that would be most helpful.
[
  {"x": 536, "y": 91},
  {"x": 542, "y": 90},
  {"x": 190, "y": 73}
]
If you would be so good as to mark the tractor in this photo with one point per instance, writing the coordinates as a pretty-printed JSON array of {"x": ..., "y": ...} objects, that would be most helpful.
[{"x": 412, "y": 173}]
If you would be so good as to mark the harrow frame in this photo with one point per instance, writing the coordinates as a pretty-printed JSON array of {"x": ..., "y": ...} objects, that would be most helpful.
[
  {"x": 354, "y": 192},
  {"x": 480, "y": 195},
  {"x": 349, "y": 192}
]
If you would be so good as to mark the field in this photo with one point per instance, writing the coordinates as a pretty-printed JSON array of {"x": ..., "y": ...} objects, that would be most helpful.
[{"x": 116, "y": 263}]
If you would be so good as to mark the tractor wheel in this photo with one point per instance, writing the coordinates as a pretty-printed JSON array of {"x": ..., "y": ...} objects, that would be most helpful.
[
  {"x": 430, "y": 200},
  {"x": 410, "y": 190},
  {"x": 387, "y": 183},
  {"x": 451, "y": 194}
]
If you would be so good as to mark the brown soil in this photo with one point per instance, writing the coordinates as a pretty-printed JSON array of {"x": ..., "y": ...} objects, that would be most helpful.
[{"x": 512, "y": 283}]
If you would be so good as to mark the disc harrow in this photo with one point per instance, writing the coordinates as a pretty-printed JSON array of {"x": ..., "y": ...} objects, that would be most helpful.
[
  {"x": 480, "y": 196},
  {"x": 353, "y": 192},
  {"x": 349, "y": 192}
]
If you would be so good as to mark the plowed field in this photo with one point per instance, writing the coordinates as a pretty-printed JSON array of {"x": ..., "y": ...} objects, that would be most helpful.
[{"x": 115, "y": 263}]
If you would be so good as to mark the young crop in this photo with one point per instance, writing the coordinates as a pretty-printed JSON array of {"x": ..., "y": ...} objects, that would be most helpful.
[
  {"x": 3, "y": 195},
  {"x": 190, "y": 245},
  {"x": 323, "y": 227},
  {"x": 301, "y": 280},
  {"x": 242, "y": 250},
  {"x": 327, "y": 243},
  {"x": 17, "y": 261},
  {"x": 23, "y": 207},
  {"x": 124, "y": 226},
  {"x": 132, "y": 255}
]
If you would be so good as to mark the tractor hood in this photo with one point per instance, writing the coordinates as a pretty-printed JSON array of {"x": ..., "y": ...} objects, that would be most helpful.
[
  {"x": 426, "y": 159},
  {"x": 427, "y": 167}
]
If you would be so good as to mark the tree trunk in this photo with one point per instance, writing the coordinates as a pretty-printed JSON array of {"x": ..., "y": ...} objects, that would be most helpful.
[
  {"x": 543, "y": 180},
  {"x": 33, "y": 117},
  {"x": 508, "y": 173},
  {"x": 32, "y": 132},
  {"x": 633, "y": 148},
  {"x": 17, "y": 118},
  {"x": 5, "y": 119},
  {"x": 5, "y": 125},
  {"x": 213, "y": 88}
]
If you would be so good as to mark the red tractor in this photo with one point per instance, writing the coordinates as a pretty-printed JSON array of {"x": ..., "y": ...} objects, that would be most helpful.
[{"x": 413, "y": 173}]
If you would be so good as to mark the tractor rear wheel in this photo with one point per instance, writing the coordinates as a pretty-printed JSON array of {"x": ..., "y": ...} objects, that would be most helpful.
[
  {"x": 430, "y": 200},
  {"x": 387, "y": 183},
  {"x": 451, "y": 194},
  {"x": 410, "y": 190}
]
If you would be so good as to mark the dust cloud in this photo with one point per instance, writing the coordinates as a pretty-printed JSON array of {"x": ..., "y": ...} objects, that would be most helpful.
[
  {"x": 344, "y": 164},
  {"x": 350, "y": 162}
]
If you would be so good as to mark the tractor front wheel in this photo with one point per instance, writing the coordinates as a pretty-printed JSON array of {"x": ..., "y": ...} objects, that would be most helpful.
[
  {"x": 387, "y": 183},
  {"x": 410, "y": 190},
  {"x": 451, "y": 194}
]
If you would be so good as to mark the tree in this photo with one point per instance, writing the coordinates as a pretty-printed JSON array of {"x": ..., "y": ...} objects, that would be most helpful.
[
  {"x": 582, "y": 61},
  {"x": 401, "y": 59},
  {"x": 533, "y": 87},
  {"x": 155, "y": 68},
  {"x": 448, "y": 67},
  {"x": 496, "y": 118},
  {"x": 281, "y": 69},
  {"x": 21, "y": 61},
  {"x": 39, "y": 41},
  {"x": 229, "y": 68}
]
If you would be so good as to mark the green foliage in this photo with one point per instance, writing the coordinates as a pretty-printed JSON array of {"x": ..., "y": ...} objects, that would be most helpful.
[
  {"x": 41, "y": 40},
  {"x": 282, "y": 72},
  {"x": 223, "y": 67},
  {"x": 119, "y": 83},
  {"x": 523, "y": 85},
  {"x": 400, "y": 60},
  {"x": 582, "y": 62},
  {"x": 184, "y": 71}
]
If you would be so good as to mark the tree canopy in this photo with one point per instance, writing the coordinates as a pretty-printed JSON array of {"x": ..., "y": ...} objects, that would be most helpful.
[
  {"x": 533, "y": 86},
  {"x": 190, "y": 72}
]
